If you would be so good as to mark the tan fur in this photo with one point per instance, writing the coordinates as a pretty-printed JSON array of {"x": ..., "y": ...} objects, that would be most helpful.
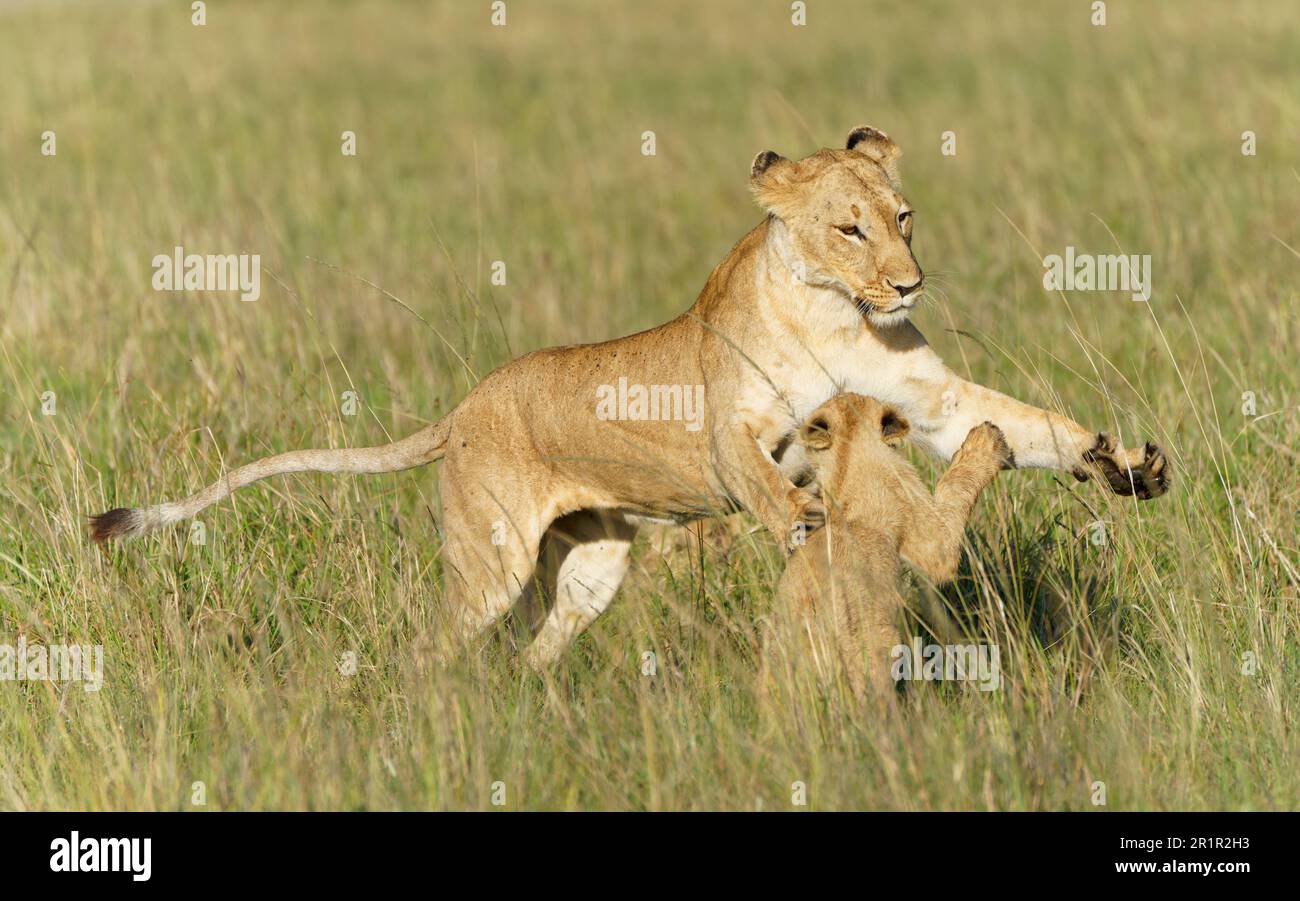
[
  {"x": 797, "y": 312},
  {"x": 843, "y": 583}
]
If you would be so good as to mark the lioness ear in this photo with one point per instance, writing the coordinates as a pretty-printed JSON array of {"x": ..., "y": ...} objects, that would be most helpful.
[
  {"x": 893, "y": 427},
  {"x": 763, "y": 162},
  {"x": 816, "y": 433},
  {"x": 769, "y": 180},
  {"x": 877, "y": 146}
]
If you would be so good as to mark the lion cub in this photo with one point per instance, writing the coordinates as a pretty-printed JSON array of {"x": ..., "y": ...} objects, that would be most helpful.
[{"x": 843, "y": 580}]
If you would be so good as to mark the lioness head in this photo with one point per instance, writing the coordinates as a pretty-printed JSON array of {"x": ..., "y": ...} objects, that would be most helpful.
[{"x": 843, "y": 222}]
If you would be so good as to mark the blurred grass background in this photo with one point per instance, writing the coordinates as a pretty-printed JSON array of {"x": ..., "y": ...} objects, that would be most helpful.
[{"x": 1123, "y": 663}]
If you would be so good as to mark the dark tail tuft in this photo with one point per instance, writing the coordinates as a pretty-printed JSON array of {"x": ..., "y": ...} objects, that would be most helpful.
[{"x": 115, "y": 523}]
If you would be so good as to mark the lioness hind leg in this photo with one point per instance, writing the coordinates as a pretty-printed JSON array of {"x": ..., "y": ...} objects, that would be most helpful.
[
  {"x": 591, "y": 551},
  {"x": 482, "y": 584},
  {"x": 493, "y": 539}
]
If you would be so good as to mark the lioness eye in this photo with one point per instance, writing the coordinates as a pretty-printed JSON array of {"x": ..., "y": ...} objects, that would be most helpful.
[
  {"x": 904, "y": 220},
  {"x": 850, "y": 231}
]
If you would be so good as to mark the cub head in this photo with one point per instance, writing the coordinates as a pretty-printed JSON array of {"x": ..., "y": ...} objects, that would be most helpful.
[
  {"x": 848, "y": 419},
  {"x": 844, "y": 223}
]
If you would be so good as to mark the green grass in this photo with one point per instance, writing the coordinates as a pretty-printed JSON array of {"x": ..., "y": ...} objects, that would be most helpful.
[{"x": 1123, "y": 663}]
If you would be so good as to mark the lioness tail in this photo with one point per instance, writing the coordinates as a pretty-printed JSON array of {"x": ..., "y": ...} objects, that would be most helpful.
[{"x": 425, "y": 446}]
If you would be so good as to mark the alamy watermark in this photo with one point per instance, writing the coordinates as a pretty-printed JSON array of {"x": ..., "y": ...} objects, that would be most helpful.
[
  {"x": 651, "y": 403},
  {"x": 181, "y": 271},
  {"x": 1098, "y": 272},
  {"x": 75, "y": 854},
  {"x": 25, "y": 662},
  {"x": 947, "y": 663}
]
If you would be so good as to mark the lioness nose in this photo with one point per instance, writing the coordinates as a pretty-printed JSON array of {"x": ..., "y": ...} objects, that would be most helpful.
[{"x": 904, "y": 290}]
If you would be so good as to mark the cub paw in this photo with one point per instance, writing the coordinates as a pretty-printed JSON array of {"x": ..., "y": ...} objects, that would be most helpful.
[
  {"x": 1143, "y": 473},
  {"x": 986, "y": 442},
  {"x": 807, "y": 514}
]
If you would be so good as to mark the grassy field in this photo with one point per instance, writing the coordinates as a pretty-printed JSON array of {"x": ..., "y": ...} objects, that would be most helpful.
[{"x": 1155, "y": 653}]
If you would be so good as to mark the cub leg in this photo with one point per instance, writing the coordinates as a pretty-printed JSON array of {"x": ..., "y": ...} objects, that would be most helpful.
[
  {"x": 880, "y": 636},
  {"x": 867, "y": 612},
  {"x": 932, "y": 541},
  {"x": 839, "y": 593},
  {"x": 590, "y": 559}
]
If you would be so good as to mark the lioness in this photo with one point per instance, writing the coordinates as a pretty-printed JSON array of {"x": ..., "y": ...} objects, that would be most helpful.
[
  {"x": 812, "y": 302},
  {"x": 844, "y": 580}
]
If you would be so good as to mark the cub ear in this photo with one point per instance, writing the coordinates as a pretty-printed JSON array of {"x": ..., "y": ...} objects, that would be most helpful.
[
  {"x": 816, "y": 433},
  {"x": 878, "y": 147},
  {"x": 893, "y": 427}
]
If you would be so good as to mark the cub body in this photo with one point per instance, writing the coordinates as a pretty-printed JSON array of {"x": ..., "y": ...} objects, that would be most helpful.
[{"x": 843, "y": 582}]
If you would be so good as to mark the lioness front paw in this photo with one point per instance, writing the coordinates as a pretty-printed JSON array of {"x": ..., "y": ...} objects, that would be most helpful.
[{"x": 1141, "y": 473}]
